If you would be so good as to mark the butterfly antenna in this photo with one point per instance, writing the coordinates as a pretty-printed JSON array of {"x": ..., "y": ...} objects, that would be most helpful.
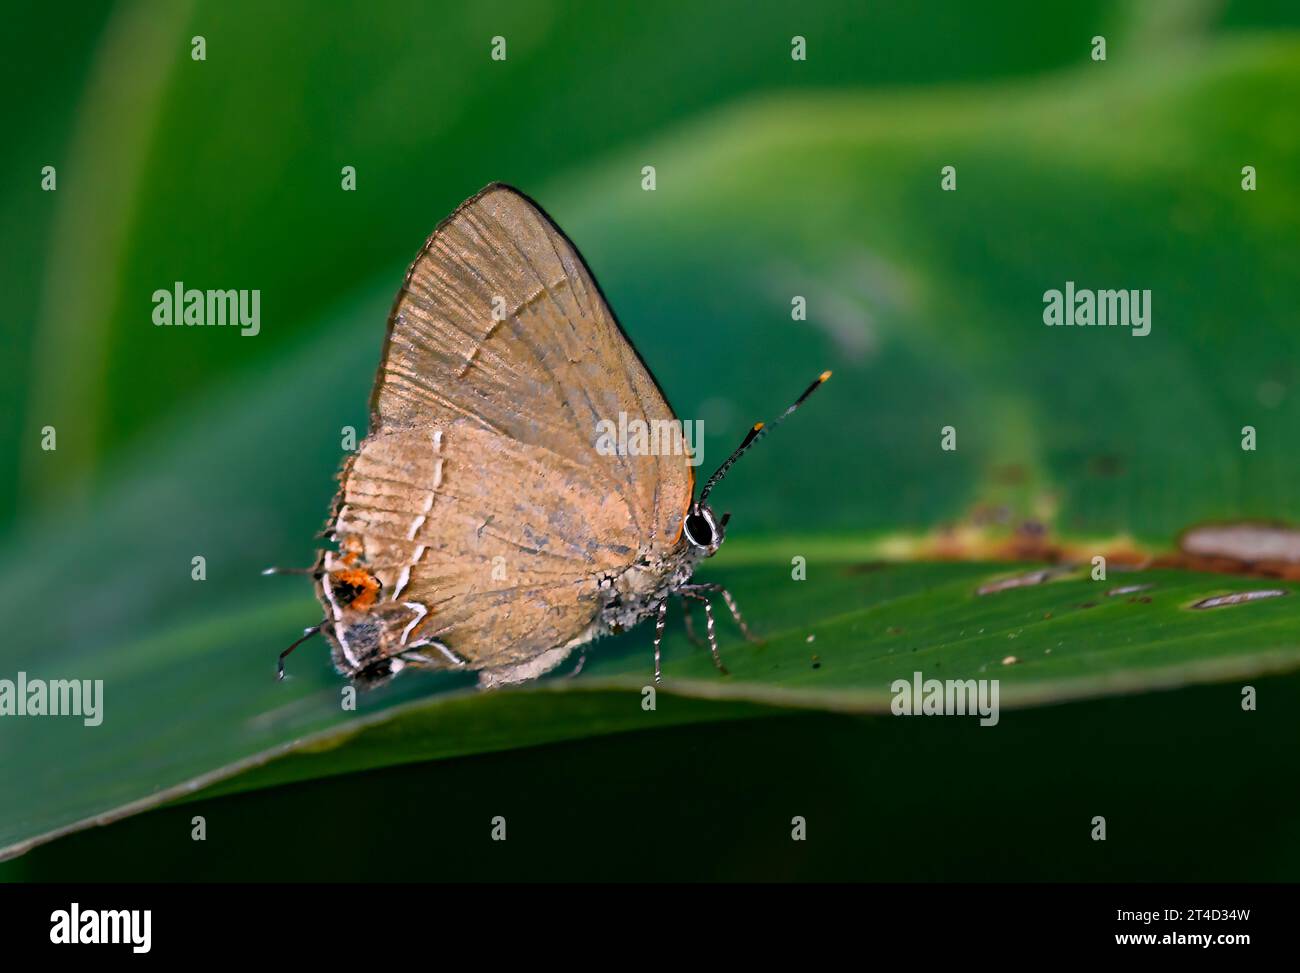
[
  {"x": 756, "y": 433},
  {"x": 306, "y": 634}
]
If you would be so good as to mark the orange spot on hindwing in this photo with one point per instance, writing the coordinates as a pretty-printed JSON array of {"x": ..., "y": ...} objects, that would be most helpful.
[{"x": 357, "y": 588}]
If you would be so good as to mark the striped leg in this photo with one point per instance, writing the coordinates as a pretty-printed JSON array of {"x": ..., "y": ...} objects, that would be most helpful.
[
  {"x": 659, "y": 637},
  {"x": 690, "y": 625},
  {"x": 713, "y": 637},
  {"x": 731, "y": 606}
]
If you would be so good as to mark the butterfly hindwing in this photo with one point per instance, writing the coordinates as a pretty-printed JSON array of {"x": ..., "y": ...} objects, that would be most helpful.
[{"x": 479, "y": 499}]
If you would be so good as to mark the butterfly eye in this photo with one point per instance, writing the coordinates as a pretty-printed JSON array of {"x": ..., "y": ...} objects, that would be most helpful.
[{"x": 699, "y": 530}]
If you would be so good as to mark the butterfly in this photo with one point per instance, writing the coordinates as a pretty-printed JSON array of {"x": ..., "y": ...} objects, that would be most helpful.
[{"x": 479, "y": 526}]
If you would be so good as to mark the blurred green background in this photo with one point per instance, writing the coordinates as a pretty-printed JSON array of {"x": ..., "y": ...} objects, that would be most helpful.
[{"x": 775, "y": 178}]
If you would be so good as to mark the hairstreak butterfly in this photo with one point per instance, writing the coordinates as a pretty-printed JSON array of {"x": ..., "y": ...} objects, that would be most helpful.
[{"x": 477, "y": 525}]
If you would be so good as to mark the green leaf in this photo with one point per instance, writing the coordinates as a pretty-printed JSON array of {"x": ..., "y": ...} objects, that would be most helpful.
[
  {"x": 927, "y": 308},
  {"x": 198, "y": 707}
]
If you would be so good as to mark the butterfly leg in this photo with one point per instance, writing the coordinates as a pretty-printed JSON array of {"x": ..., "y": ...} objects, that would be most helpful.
[
  {"x": 713, "y": 637},
  {"x": 732, "y": 607},
  {"x": 582, "y": 661},
  {"x": 306, "y": 634},
  {"x": 690, "y": 625},
  {"x": 659, "y": 637}
]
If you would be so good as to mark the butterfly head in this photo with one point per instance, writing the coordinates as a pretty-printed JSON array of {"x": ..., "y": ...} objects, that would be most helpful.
[{"x": 702, "y": 530}]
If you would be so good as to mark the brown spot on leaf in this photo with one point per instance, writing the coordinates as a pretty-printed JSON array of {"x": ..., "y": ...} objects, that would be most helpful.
[
  {"x": 866, "y": 567},
  {"x": 1011, "y": 474},
  {"x": 1106, "y": 465}
]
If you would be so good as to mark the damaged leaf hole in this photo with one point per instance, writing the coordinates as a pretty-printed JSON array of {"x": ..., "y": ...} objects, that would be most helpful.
[
  {"x": 1239, "y": 598},
  {"x": 1129, "y": 589},
  {"x": 1264, "y": 548},
  {"x": 1021, "y": 580}
]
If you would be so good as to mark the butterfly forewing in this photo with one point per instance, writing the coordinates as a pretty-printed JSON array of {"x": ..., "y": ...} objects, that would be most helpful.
[{"x": 479, "y": 499}]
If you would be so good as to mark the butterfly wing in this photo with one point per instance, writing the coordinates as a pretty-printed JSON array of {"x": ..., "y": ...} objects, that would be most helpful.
[{"x": 480, "y": 499}]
